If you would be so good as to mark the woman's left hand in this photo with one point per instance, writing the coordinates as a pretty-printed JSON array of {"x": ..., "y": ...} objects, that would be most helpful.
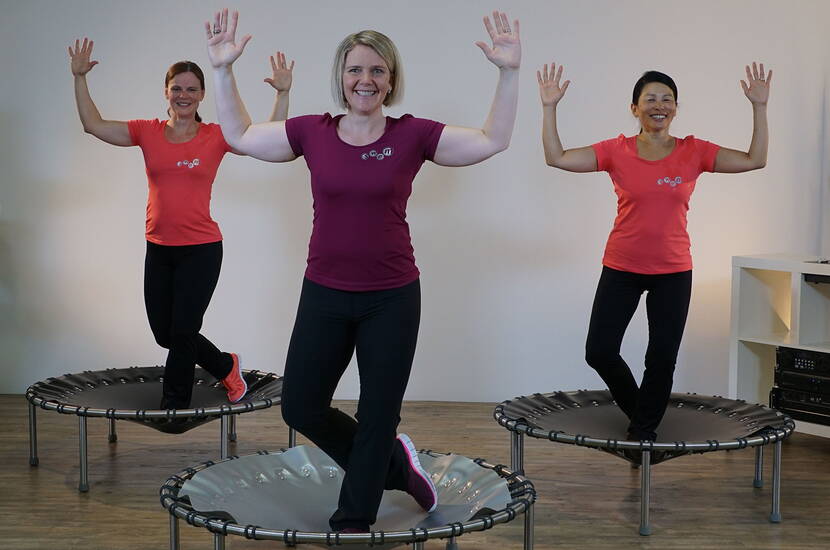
[
  {"x": 756, "y": 87},
  {"x": 506, "y": 52}
]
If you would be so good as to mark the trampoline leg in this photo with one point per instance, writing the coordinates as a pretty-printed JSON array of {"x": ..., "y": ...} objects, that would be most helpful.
[
  {"x": 529, "y": 522},
  {"x": 775, "y": 514},
  {"x": 232, "y": 427},
  {"x": 292, "y": 437},
  {"x": 33, "y": 460},
  {"x": 419, "y": 545},
  {"x": 758, "y": 482},
  {"x": 517, "y": 453},
  {"x": 645, "y": 490},
  {"x": 451, "y": 544},
  {"x": 223, "y": 437},
  {"x": 83, "y": 485},
  {"x": 218, "y": 539},
  {"x": 112, "y": 436},
  {"x": 174, "y": 532}
]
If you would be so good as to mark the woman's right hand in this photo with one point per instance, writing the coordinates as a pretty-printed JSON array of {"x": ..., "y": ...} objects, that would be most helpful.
[
  {"x": 79, "y": 58},
  {"x": 549, "y": 89},
  {"x": 222, "y": 47}
]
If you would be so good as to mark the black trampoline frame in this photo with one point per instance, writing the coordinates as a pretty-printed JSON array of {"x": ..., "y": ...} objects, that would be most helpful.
[
  {"x": 521, "y": 490},
  {"x": 227, "y": 414},
  {"x": 519, "y": 428}
]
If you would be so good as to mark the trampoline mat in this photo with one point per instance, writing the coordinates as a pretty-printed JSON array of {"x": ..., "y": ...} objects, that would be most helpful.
[
  {"x": 689, "y": 417},
  {"x": 298, "y": 489},
  {"x": 137, "y": 390}
]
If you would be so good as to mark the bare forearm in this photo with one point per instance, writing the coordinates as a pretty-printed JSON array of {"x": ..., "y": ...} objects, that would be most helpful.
[
  {"x": 233, "y": 117},
  {"x": 550, "y": 136},
  {"x": 87, "y": 111},
  {"x": 280, "y": 110},
  {"x": 498, "y": 128},
  {"x": 760, "y": 136}
]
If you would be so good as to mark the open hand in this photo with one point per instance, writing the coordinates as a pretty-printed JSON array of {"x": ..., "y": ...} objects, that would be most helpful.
[
  {"x": 282, "y": 73},
  {"x": 79, "y": 58},
  {"x": 549, "y": 87},
  {"x": 506, "y": 52},
  {"x": 756, "y": 87},
  {"x": 222, "y": 47}
]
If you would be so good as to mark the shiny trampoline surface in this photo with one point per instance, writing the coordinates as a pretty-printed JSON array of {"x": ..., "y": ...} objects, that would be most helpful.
[{"x": 298, "y": 489}]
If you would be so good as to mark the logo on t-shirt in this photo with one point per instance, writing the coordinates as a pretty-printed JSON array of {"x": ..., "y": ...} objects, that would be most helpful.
[
  {"x": 387, "y": 152},
  {"x": 188, "y": 163},
  {"x": 673, "y": 182}
]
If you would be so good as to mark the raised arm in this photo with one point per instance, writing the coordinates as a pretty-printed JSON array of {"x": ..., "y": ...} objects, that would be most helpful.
[
  {"x": 110, "y": 131},
  {"x": 464, "y": 146},
  {"x": 582, "y": 159},
  {"x": 756, "y": 89},
  {"x": 265, "y": 141},
  {"x": 280, "y": 80}
]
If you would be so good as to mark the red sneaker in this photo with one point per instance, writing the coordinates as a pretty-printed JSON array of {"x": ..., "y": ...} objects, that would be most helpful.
[
  {"x": 234, "y": 382},
  {"x": 419, "y": 485}
]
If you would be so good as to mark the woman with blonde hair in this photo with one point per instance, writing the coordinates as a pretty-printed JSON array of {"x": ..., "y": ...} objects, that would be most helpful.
[{"x": 361, "y": 290}]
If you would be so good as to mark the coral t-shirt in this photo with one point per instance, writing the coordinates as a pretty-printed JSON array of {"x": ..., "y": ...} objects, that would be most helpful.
[
  {"x": 180, "y": 178},
  {"x": 360, "y": 239},
  {"x": 649, "y": 234}
]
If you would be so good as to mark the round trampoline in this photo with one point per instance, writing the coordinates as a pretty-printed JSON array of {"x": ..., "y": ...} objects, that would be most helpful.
[
  {"x": 288, "y": 496},
  {"x": 134, "y": 394},
  {"x": 692, "y": 424}
]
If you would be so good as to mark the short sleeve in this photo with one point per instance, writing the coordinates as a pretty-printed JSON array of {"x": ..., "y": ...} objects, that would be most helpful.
[
  {"x": 430, "y": 132},
  {"x": 138, "y": 130},
  {"x": 605, "y": 151},
  {"x": 297, "y": 129},
  {"x": 708, "y": 152}
]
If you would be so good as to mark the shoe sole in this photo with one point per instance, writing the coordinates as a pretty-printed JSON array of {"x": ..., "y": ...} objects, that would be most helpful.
[
  {"x": 241, "y": 377},
  {"x": 415, "y": 464}
]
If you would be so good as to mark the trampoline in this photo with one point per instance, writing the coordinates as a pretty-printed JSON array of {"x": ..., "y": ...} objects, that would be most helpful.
[
  {"x": 692, "y": 424},
  {"x": 288, "y": 496},
  {"x": 134, "y": 394}
]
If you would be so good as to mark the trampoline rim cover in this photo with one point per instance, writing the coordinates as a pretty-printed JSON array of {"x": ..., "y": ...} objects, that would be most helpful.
[
  {"x": 261, "y": 380},
  {"x": 764, "y": 436},
  {"x": 521, "y": 489}
]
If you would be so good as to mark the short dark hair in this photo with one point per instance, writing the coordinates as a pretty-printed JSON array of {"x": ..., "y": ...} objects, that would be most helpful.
[
  {"x": 185, "y": 67},
  {"x": 649, "y": 77}
]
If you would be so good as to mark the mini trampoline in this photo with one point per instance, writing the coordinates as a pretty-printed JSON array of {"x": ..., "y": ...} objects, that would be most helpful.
[
  {"x": 288, "y": 496},
  {"x": 692, "y": 424},
  {"x": 134, "y": 394}
]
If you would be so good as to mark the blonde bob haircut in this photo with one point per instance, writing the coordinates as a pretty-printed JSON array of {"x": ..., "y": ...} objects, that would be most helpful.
[{"x": 385, "y": 48}]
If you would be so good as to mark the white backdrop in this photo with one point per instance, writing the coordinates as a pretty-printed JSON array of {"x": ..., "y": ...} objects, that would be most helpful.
[{"x": 509, "y": 250}]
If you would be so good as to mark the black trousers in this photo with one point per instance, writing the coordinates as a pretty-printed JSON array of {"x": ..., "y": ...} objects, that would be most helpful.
[
  {"x": 178, "y": 284},
  {"x": 667, "y": 305},
  {"x": 331, "y": 324}
]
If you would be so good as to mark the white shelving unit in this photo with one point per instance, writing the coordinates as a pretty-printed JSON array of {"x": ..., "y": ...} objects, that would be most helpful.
[{"x": 772, "y": 305}]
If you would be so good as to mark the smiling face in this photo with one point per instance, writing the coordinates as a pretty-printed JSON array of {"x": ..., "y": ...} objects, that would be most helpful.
[
  {"x": 655, "y": 108},
  {"x": 366, "y": 80},
  {"x": 184, "y": 92}
]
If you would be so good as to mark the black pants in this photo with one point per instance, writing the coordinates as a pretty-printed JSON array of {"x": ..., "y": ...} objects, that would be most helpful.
[
  {"x": 178, "y": 285},
  {"x": 382, "y": 326},
  {"x": 667, "y": 305}
]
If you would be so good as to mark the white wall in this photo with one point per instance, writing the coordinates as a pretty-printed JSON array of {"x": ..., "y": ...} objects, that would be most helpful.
[{"x": 510, "y": 249}]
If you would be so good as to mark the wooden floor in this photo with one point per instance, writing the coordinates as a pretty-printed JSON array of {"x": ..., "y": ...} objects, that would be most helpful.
[{"x": 587, "y": 499}]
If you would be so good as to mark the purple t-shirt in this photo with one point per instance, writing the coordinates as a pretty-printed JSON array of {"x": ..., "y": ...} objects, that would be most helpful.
[{"x": 360, "y": 239}]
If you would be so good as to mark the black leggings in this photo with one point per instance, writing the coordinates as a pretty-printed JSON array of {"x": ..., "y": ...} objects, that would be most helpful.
[
  {"x": 178, "y": 285},
  {"x": 667, "y": 305},
  {"x": 382, "y": 325}
]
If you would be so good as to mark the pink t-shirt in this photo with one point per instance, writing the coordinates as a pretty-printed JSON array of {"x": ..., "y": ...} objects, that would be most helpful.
[
  {"x": 180, "y": 177},
  {"x": 360, "y": 239},
  {"x": 649, "y": 234}
]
